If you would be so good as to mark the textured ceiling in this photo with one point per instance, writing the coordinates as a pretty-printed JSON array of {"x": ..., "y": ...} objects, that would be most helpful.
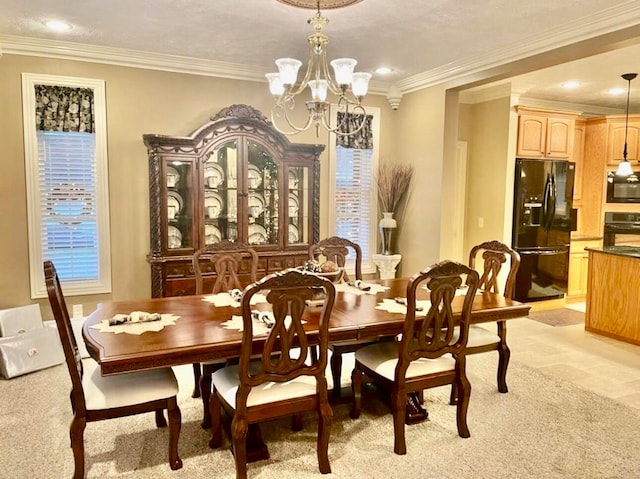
[{"x": 413, "y": 37}]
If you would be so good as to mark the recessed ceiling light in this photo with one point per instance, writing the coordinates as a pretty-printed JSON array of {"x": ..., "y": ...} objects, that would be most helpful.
[
  {"x": 57, "y": 26},
  {"x": 570, "y": 85},
  {"x": 383, "y": 70},
  {"x": 617, "y": 91}
]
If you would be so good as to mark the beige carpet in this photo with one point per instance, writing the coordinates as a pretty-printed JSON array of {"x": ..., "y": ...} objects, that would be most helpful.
[{"x": 540, "y": 429}]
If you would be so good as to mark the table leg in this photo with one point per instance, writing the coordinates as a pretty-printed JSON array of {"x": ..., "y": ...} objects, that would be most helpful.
[{"x": 415, "y": 412}]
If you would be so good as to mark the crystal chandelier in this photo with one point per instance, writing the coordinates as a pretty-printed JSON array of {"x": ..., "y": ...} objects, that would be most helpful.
[{"x": 318, "y": 78}]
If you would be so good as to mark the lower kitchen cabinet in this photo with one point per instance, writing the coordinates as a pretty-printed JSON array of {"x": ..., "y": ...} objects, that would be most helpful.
[{"x": 578, "y": 267}]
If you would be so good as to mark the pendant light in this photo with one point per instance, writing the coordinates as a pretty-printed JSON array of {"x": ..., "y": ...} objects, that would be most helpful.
[{"x": 624, "y": 168}]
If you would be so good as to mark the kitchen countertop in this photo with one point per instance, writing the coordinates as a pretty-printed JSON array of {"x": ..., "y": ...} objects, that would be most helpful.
[{"x": 631, "y": 251}]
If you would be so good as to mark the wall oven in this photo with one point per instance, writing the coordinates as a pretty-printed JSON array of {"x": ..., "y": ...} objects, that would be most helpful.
[
  {"x": 623, "y": 189},
  {"x": 621, "y": 229}
]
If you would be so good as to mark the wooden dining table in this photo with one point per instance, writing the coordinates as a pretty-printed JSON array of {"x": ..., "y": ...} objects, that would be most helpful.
[{"x": 199, "y": 334}]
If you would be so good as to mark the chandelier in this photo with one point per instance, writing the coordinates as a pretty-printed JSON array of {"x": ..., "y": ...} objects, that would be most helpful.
[
  {"x": 624, "y": 168},
  {"x": 349, "y": 87}
]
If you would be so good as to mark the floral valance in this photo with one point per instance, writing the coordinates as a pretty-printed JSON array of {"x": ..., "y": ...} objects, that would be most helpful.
[
  {"x": 362, "y": 140},
  {"x": 61, "y": 108}
]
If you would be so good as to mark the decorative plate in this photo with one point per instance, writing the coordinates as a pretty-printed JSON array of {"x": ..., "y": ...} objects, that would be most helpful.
[
  {"x": 213, "y": 175},
  {"x": 293, "y": 180},
  {"x": 254, "y": 176},
  {"x": 257, "y": 234},
  {"x": 256, "y": 204},
  {"x": 173, "y": 177},
  {"x": 212, "y": 205},
  {"x": 174, "y": 199},
  {"x": 212, "y": 234},
  {"x": 174, "y": 237},
  {"x": 293, "y": 206},
  {"x": 293, "y": 234}
]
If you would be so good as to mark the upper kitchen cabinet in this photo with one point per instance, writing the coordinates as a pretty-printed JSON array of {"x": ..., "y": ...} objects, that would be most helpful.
[
  {"x": 545, "y": 133},
  {"x": 616, "y": 137},
  {"x": 237, "y": 179}
]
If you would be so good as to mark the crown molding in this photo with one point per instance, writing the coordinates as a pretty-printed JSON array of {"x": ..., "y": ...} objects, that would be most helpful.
[
  {"x": 586, "y": 110},
  {"x": 17, "y": 45},
  {"x": 606, "y": 21},
  {"x": 482, "y": 95}
]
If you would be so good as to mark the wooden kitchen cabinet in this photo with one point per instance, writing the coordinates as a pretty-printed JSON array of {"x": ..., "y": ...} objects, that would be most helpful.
[
  {"x": 545, "y": 133},
  {"x": 616, "y": 136},
  {"x": 578, "y": 268},
  {"x": 578, "y": 159},
  {"x": 235, "y": 178}
]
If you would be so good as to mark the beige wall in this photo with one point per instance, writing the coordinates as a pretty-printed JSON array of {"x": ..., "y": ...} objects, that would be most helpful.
[
  {"x": 138, "y": 101},
  {"x": 419, "y": 140},
  {"x": 486, "y": 127}
]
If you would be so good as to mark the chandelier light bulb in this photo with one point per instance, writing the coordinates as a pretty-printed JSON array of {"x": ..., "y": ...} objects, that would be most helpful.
[
  {"x": 343, "y": 69},
  {"x": 275, "y": 85},
  {"x": 288, "y": 68},
  {"x": 318, "y": 90},
  {"x": 360, "y": 84}
]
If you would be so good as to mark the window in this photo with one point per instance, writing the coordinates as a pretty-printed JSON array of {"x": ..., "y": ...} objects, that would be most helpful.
[
  {"x": 355, "y": 214},
  {"x": 67, "y": 188}
]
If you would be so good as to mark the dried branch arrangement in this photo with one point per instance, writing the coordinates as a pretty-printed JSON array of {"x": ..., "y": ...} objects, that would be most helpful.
[{"x": 393, "y": 181}]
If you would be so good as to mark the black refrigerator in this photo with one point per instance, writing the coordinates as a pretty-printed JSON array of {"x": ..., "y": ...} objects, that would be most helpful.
[{"x": 543, "y": 219}]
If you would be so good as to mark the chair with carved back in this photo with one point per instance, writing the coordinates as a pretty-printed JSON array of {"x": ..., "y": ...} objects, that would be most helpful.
[
  {"x": 494, "y": 256},
  {"x": 430, "y": 353},
  {"x": 284, "y": 380},
  {"x": 337, "y": 249},
  {"x": 228, "y": 260},
  {"x": 95, "y": 398}
]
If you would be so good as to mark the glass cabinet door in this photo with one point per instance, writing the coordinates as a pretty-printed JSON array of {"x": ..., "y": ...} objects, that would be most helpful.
[
  {"x": 221, "y": 194},
  {"x": 262, "y": 196},
  {"x": 298, "y": 205},
  {"x": 178, "y": 178}
]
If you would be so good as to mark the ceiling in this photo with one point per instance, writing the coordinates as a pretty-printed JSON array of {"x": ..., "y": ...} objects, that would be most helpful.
[{"x": 424, "y": 42}]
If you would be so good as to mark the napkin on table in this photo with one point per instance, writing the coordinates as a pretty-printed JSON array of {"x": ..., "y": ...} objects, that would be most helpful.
[{"x": 134, "y": 317}]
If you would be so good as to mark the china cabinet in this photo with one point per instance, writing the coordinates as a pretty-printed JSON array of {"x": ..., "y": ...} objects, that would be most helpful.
[{"x": 235, "y": 178}]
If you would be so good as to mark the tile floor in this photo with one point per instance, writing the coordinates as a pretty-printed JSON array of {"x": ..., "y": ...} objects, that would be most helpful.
[{"x": 605, "y": 366}]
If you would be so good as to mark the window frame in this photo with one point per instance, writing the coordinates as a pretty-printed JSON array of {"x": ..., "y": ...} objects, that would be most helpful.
[
  {"x": 34, "y": 217},
  {"x": 368, "y": 265}
]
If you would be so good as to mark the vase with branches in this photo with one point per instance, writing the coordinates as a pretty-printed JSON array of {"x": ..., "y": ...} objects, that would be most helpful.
[{"x": 393, "y": 182}]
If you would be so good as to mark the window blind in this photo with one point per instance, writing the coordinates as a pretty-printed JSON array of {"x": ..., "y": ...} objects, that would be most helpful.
[
  {"x": 354, "y": 183},
  {"x": 67, "y": 196}
]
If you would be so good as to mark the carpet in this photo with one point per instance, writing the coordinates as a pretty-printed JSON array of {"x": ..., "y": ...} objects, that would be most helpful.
[
  {"x": 542, "y": 428},
  {"x": 558, "y": 317}
]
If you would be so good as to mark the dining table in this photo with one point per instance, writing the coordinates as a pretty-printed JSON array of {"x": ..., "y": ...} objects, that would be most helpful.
[{"x": 198, "y": 328}]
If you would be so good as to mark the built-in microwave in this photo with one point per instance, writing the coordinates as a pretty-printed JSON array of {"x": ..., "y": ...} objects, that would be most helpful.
[{"x": 623, "y": 189}]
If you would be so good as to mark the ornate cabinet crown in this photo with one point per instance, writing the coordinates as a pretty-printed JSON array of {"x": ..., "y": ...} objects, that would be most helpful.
[{"x": 235, "y": 178}]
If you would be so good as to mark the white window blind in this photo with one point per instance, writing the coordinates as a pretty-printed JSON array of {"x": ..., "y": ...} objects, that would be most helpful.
[
  {"x": 354, "y": 213},
  {"x": 67, "y": 194},
  {"x": 353, "y": 207},
  {"x": 68, "y": 226}
]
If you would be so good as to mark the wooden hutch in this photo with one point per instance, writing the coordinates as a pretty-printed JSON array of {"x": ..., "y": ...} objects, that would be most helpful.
[{"x": 235, "y": 178}]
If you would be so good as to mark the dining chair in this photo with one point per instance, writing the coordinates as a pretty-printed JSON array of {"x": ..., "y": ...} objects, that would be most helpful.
[
  {"x": 228, "y": 260},
  {"x": 430, "y": 352},
  {"x": 494, "y": 255},
  {"x": 337, "y": 249},
  {"x": 284, "y": 380},
  {"x": 95, "y": 398}
]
